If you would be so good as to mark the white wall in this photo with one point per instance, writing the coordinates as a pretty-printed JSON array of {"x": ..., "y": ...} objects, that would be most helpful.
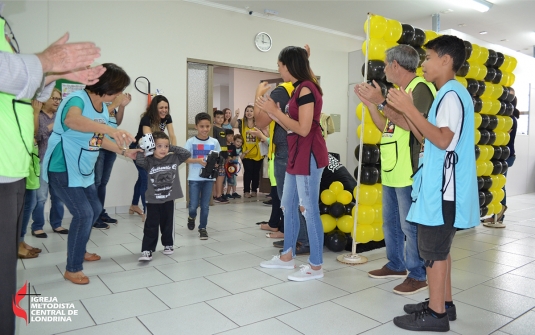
[
  {"x": 245, "y": 83},
  {"x": 155, "y": 39}
]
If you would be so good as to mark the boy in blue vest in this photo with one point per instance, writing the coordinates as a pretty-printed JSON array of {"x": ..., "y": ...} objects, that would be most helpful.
[{"x": 440, "y": 205}]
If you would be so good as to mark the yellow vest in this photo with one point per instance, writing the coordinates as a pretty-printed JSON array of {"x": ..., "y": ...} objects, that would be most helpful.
[{"x": 289, "y": 87}]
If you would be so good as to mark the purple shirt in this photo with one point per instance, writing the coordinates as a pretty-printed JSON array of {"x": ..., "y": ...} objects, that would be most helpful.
[{"x": 43, "y": 133}]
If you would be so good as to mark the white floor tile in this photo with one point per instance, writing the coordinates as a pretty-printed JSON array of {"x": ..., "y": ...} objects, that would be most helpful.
[
  {"x": 481, "y": 267},
  {"x": 189, "y": 253},
  {"x": 188, "y": 270},
  {"x": 134, "y": 279},
  {"x": 188, "y": 292},
  {"x": 305, "y": 294},
  {"x": 521, "y": 326},
  {"x": 232, "y": 247},
  {"x": 515, "y": 284},
  {"x": 65, "y": 291},
  {"x": 476, "y": 321},
  {"x": 351, "y": 280},
  {"x": 514, "y": 248},
  {"x": 267, "y": 327},
  {"x": 129, "y": 326},
  {"x": 102, "y": 241},
  {"x": 39, "y": 276},
  {"x": 252, "y": 306},
  {"x": 243, "y": 280},
  {"x": 464, "y": 280},
  {"x": 236, "y": 261},
  {"x": 130, "y": 262},
  {"x": 525, "y": 271},
  {"x": 390, "y": 328},
  {"x": 502, "y": 257}
]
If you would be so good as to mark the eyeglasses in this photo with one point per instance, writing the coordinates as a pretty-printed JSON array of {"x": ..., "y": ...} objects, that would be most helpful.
[
  {"x": 56, "y": 99},
  {"x": 10, "y": 36}
]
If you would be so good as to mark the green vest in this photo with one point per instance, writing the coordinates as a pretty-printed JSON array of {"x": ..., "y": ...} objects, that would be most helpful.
[
  {"x": 396, "y": 164},
  {"x": 16, "y": 140}
]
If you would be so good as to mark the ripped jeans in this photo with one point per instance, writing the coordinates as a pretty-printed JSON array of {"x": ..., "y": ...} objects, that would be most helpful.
[{"x": 301, "y": 190}]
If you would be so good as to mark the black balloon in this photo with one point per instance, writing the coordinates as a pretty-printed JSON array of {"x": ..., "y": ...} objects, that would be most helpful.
[
  {"x": 468, "y": 49},
  {"x": 349, "y": 208},
  {"x": 407, "y": 34},
  {"x": 483, "y": 211},
  {"x": 480, "y": 183},
  {"x": 370, "y": 154},
  {"x": 463, "y": 70},
  {"x": 506, "y": 152},
  {"x": 492, "y": 137},
  {"x": 491, "y": 73},
  {"x": 324, "y": 209},
  {"x": 497, "y": 77},
  {"x": 482, "y": 87},
  {"x": 421, "y": 53},
  {"x": 485, "y": 136},
  {"x": 500, "y": 58},
  {"x": 505, "y": 167},
  {"x": 505, "y": 93},
  {"x": 481, "y": 198},
  {"x": 511, "y": 95},
  {"x": 418, "y": 38},
  {"x": 491, "y": 61},
  {"x": 509, "y": 108},
  {"x": 376, "y": 70},
  {"x": 488, "y": 197},
  {"x": 337, "y": 210},
  {"x": 497, "y": 166},
  {"x": 493, "y": 122},
  {"x": 472, "y": 86},
  {"x": 502, "y": 108},
  {"x": 484, "y": 121},
  {"x": 384, "y": 87},
  {"x": 336, "y": 240},
  {"x": 369, "y": 175},
  {"x": 478, "y": 104},
  {"x": 497, "y": 153},
  {"x": 478, "y": 152},
  {"x": 487, "y": 182}
]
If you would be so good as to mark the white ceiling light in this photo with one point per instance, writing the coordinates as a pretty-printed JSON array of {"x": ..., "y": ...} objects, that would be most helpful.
[
  {"x": 479, "y": 5},
  {"x": 482, "y": 32}
]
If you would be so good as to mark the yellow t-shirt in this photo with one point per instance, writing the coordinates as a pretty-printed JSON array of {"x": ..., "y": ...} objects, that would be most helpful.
[{"x": 251, "y": 144}]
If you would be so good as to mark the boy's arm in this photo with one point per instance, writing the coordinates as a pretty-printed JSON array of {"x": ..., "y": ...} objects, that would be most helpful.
[
  {"x": 142, "y": 161},
  {"x": 402, "y": 101},
  {"x": 183, "y": 154}
]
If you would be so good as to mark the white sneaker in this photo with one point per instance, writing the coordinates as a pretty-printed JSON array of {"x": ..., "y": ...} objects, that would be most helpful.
[
  {"x": 145, "y": 256},
  {"x": 277, "y": 263},
  {"x": 306, "y": 273},
  {"x": 168, "y": 250}
]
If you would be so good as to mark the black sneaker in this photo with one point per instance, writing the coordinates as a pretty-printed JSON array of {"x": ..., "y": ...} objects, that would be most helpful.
[
  {"x": 191, "y": 223},
  {"x": 268, "y": 202},
  {"x": 413, "y": 308},
  {"x": 278, "y": 244},
  {"x": 423, "y": 320},
  {"x": 101, "y": 225},
  {"x": 203, "y": 235},
  {"x": 236, "y": 195},
  {"x": 107, "y": 219},
  {"x": 228, "y": 196},
  {"x": 221, "y": 200}
]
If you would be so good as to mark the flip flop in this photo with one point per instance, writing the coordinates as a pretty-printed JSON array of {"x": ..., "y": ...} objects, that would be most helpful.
[
  {"x": 265, "y": 226},
  {"x": 275, "y": 234}
]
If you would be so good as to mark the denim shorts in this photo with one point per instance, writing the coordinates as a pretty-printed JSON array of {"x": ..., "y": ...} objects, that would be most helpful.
[
  {"x": 221, "y": 170},
  {"x": 230, "y": 180},
  {"x": 434, "y": 242}
]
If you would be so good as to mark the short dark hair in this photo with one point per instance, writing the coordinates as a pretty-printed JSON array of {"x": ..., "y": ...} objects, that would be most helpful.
[
  {"x": 113, "y": 81},
  {"x": 159, "y": 135},
  {"x": 218, "y": 112},
  {"x": 202, "y": 116},
  {"x": 229, "y": 132},
  {"x": 449, "y": 45},
  {"x": 238, "y": 137}
]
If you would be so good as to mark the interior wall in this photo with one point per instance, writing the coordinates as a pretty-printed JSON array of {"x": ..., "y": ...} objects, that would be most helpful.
[{"x": 156, "y": 38}]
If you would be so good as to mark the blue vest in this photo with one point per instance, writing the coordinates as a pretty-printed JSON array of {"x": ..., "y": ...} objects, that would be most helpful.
[
  {"x": 80, "y": 149},
  {"x": 427, "y": 197}
]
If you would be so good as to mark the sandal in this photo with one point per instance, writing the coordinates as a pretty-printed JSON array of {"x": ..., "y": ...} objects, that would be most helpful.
[
  {"x": 135, "y": 209},
  {"x": 275, "y": 234},
  {"x": 265, "y": 226},
  {"x": 32, "y": 249},
  {"x": 91, "y": 257},
  {"x": 25, "y": 253},
  {"x": 79, "y": 279}
]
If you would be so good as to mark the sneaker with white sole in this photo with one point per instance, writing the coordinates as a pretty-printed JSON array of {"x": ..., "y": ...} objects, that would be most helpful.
[
  {"x": 145, "y": 256},
  {"x": 306, "y": 273},
  {"x": 277, "y": 263},
  {"x": 203, "y": 234},
  {"x": 168, "y": 250}
]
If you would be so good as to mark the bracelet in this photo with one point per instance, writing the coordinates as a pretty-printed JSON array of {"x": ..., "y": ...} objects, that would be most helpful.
[{"x": 124, "y": 151}]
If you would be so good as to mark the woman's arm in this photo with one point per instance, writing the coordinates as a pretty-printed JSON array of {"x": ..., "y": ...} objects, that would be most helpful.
[
  {"x": 36, "y": 105},
  {"x": 234, "y": 120},
  {"x": 171, "y": 131}
]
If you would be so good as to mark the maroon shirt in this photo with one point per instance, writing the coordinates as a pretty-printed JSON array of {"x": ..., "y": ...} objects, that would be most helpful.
[{"x": 301, "y": 148}]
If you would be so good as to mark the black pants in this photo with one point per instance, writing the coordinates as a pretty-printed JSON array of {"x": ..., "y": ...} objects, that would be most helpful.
[
  {"x": 159, "y": 215},
  {"x": 11, "y": 204},
  {"x": 251, "y": 174},
  {"x": 276, "y": 220}
]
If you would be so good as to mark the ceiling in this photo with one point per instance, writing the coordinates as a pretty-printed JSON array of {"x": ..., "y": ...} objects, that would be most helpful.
[{"x": 509, "y": 23}]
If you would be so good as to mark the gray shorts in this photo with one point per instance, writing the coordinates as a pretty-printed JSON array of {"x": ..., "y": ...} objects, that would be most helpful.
[{"x": 434, "y": 242}]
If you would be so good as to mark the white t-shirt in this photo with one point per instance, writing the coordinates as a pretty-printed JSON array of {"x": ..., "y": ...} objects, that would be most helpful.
[
  {"x": 449, "y": 115},
  {"x": 200, "y": 149}
]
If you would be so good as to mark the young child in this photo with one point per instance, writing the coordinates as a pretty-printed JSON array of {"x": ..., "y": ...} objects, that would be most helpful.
[
  {"x": 230, "y": 182},
  {"x": 220, "y": 136},
  {"x": 163, "y": 189},
  {"x": 440, "y": 205},
  {"x": 200, "y": 189}
]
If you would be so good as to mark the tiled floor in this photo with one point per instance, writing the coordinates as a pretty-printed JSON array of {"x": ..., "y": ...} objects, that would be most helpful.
[{"x": 217, "y": 287}]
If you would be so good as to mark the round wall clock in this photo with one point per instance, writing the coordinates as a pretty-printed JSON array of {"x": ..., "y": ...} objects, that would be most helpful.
[{"x": 263, "y": 42}]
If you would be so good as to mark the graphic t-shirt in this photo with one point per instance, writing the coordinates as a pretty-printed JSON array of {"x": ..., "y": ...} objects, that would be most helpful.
[
  {"x": 221, "y": 137},
  {"x": 145, "y": 121},
  {"x": 200, "y": 149},
  {"x": 335, "y": 171}
]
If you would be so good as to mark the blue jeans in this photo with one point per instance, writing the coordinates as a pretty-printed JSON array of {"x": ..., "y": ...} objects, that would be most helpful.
[
  {"x": 200, "y": 191},
  {"x": 280, "y": 162},
  {"x": 85, "y": 208},
  {"x": 396, "y": 204},
  {"x": 301, "y": 190},
  {"x": 140, "y": 187},
  {"x": 30, "y": 200},
  {"x": 56, "y": 209},
  {"x": 102, "y": 173}
]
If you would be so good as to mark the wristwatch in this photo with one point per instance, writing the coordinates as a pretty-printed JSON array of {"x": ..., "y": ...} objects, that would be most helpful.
[{"x": 382, "y": 105}]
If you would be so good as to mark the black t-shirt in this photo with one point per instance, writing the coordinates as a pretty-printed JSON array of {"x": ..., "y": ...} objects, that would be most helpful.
[
  {"x": 231, "y": 149},
  {"x": 280, "y": 95},
  {"x": 145, "y": 121},
  {"x": 220, "y": 136},
  {"x": 335, "y": 171}
]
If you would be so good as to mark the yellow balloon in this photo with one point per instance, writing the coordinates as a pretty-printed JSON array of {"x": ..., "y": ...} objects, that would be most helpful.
[
  {"x": 501, "y": 180},
  {"x": 500, "y": 194},
  {"x": 505, "y": 78},
  {"x": 344, "y": 197},
  {"x": 328, "y": 223},
  {"x": 477, "y": 120},
  {"x": 372, "y": 135},
  {"x": 495, "y": 106},
  {"x": 490, "y": 152},
  {"x": 511, "y": 79},
  {"x": 367, "y": 195},
  {"x": 482, "y": 72},
  {"x": 390, "y": 44},
  {"x": 420, "y": 72},
  {"x": 393, "y": 31},
  {"x": 376, "y": 50},
  {"x": 495, "y": 183},
  {"x": 477, "y": 136},
  {"x": 379, "y": 188},
  {"x": 476, "y": 51},
  {"x": 508, "y": 123},
  {"x": 367, "y": 116},
  {"x": 491, "y": 209},
  {"x": 328, "y": 197},
  {"x": 512, "y": 65},
  {"x": 365, "y": 233},
  {"x": 489, "y": 89},
  {"x": 498, "y": 90},
  {"x": 336, "y": 187},
  {"x": 501, "y": 123},
  {"x": 483, "y": 56},
  {"x": 481, "y": 167},
  {"x": 483, "y": 153},
  {"x": 378, "y": 208},
  {"x": 496, "y": 207},
  {"x": 500, "y": 138},
  {"x": 507, "y": 138},
  {"x": 345, "y": 223},
  {"x": 462, "y": 80},
  {"x": 377, "y": 26},
  {"x": 366, "y": 214},
  {"x": 379, "y": 234},
  {"x": 486, "y": 105},
  {"x": 489, "y": 168},
  {"x": 506, "y": 63},
  {"x": 430, "y": 35},
  {"x": 473, "y": 71}
]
